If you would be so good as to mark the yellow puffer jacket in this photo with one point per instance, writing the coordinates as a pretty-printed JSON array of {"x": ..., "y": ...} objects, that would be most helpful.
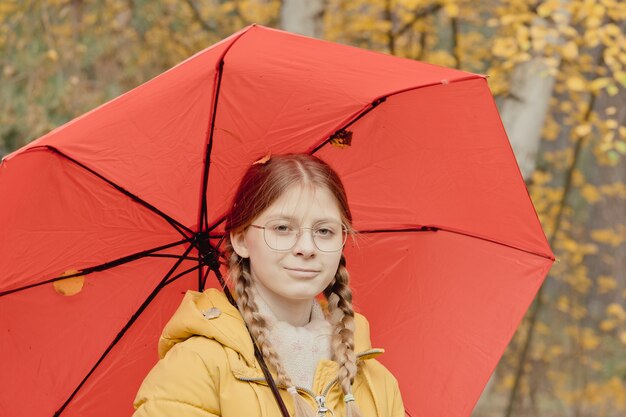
[{"x": 208, "y": 369}]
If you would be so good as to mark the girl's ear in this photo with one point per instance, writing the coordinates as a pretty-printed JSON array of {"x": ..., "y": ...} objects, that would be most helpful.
[{"x": 238, "y": 241}]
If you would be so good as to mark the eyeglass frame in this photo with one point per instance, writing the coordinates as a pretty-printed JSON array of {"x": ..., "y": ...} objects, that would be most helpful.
[{"x": 343, "y": 227}]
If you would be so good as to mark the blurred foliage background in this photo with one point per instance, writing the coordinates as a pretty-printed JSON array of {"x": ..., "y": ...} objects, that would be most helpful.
[{"x": 557, "y": 69}]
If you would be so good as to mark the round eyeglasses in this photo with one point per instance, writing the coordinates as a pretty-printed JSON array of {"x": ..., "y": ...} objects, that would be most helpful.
[{"x": 282, "y": 235}]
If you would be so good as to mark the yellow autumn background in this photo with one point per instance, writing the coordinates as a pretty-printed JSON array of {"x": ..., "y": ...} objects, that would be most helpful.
[{"x": 557, "y": 69}]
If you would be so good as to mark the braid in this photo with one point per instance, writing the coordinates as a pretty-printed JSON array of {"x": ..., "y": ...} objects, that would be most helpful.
[
  {"x": 339, "y": 297},
  {"x": 240, "y": 276}
]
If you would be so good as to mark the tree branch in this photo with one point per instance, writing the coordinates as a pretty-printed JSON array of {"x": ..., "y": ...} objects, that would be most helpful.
[
  {"x": 539, "y": 299},
  {"x": 198, "y": 17},
  {"x": 391, "y": 38},
  {"x": 240, "y": 15},
  {"x": 454, "y": 23},
  {"x": 419, "y": 14}
]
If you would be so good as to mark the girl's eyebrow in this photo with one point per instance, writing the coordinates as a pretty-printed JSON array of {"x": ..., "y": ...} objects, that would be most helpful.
[{"x": 293, "y": 219}]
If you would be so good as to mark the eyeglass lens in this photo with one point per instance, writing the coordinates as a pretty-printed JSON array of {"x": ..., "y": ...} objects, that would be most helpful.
[{"x": 283, "y": 235}]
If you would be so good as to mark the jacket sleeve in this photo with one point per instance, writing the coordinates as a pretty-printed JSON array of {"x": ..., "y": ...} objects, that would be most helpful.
[{"x": 179, "y": 385}]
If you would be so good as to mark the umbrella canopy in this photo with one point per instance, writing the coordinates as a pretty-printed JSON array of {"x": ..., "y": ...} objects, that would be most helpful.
[{"x": 129, "y": 199}]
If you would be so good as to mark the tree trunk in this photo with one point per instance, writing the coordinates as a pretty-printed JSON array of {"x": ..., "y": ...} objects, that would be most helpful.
[
  {"x": 523, "y": 111},
  {"x": 303, "y": 16}
]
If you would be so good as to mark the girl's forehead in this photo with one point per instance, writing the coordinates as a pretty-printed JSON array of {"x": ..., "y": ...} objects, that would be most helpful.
[{"x": 304, "y": 203}]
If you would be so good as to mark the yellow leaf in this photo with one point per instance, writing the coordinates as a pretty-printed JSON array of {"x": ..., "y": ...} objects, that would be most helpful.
[
  {"x": 607, "y": 236},
  {"x": 600, "y": 83},
  {"x": 545, "y": 9},
  {"x": 616, "y": 310},
  {"x": 613, "y": 157},
  {"x": 589, "y": 340},
  {"x": 541, "y": 177},
  {"x": 508, "y": 381},
  {"x": 606, "y": 284},
  {"x": 578, "y": 312},
  {"x": 542, "y": 328},
  {"x": 555, "y": 350},
  {"x": 612, "y": 30},
  {"x": 508, "y": 19},
  {"x": 562, "y": 304},
  {"x": 8, "y": 70},
  {"x": 620, "y": 76},
  {"x": 578, "y": 178},
  {"x": 52, "y": 55},
  {"x": 538, "y": 35},
  {"x": 612, "y": 90},
  {"x": 570, "y": 50},
  {"x": 592, "y": 38},
  {"x": 504, "y": 47},
  {"x": 551, "y": 129},
  {"x": 451, "y": 9},
  {"x": 582, "y": 130},
  {"x": 590, "y": 193},
  {"x": 227, "y": 7},
  {"x": 607, "y": 325},
  {"x": 569, "y": 245},
  {"x": 523, "y": 37},
  {"x": 593, "y": 22},
  {"x": 576, "y": 83},
  {"x": 566, "y": 106},
  {"x": 610, "y": 111},
  {"x": 598, "y": 10},
  {"x": 69, "y": 286}
]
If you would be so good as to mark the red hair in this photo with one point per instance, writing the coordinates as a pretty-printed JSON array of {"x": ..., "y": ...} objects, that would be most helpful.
[{"x": 264, "y": 183}]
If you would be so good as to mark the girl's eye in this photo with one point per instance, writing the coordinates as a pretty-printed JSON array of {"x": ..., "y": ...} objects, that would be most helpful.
[
  {"x": 282, "y": 228},
  {"x": 324, "y": 232}
]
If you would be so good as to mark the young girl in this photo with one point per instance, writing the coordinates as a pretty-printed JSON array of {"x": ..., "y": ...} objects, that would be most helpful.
[{"x": 287, "y": 227}]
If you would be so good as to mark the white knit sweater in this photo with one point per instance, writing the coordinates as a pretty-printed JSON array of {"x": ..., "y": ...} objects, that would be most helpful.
[{"x": 299, "y": 348}]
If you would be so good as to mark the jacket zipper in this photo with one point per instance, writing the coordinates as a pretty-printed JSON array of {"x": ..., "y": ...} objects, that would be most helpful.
[
  {"x": 320, "y": 400},
  {"x": 321, "y": 406}
]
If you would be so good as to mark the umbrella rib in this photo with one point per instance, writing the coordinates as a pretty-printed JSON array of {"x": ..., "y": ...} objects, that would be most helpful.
[
  {"x": 162, "y": 255},
  {"x": 458, "y": 232},
  {"x": 130, "y": 322},
  {"x": 203, "y": 218},
  {"x": 107, "y": 265},
  {"x": 434, "y": 229},
  {"x": 209, "y": 146},
  {"x": 175, "y": 277},
  {"x": 216, "y": 223},
  {"x": 174, "y": 223},
  {"x": 371, "y": 106}
]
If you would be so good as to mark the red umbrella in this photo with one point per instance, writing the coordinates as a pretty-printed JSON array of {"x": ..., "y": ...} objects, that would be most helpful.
[{"x": 129, "y": 200}]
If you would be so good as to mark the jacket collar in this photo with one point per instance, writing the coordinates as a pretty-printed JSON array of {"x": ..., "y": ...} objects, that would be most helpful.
[{"x": 226, "y": 326}]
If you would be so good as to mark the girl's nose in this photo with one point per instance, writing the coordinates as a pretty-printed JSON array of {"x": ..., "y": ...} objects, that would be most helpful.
[{"x": 304, "y": 244}]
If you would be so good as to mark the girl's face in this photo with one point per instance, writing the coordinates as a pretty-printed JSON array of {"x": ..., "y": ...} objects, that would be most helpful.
[{"x": 303, "y": 271}]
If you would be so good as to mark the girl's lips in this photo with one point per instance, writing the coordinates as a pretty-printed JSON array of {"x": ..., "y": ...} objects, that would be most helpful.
[
  {"x": 302, "y": 272},
  {"x": 302, "y": 269}
]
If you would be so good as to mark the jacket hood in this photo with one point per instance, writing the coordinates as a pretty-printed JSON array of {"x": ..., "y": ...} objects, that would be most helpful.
[{"x": 211, "y": 315}]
